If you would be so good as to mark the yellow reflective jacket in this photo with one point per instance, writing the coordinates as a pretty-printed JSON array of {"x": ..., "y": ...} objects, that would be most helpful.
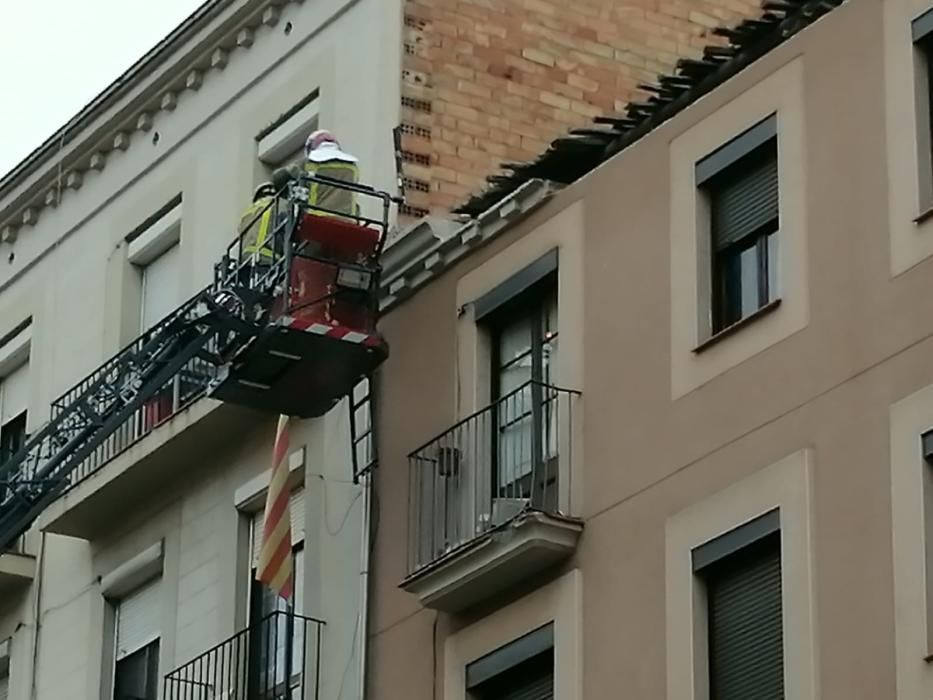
[
  {"x": 255, "y": 238},
  {"x": 338, "y": 201}
]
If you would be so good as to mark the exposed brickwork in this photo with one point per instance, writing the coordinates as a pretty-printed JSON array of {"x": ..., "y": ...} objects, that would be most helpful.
[{"x": 488, "y": 81}]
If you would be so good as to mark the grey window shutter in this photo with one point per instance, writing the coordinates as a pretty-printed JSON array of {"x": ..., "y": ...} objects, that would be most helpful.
[
  {"x": 541, "y": 688},
  {"x": 745, "y": 624},
  {"x": 745, "y": 199}
]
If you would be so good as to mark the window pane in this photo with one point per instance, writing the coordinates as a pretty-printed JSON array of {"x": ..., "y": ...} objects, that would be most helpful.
[
  {"x": 774, "y": 267},
  {"x": 515, "y": 439},
  {"x": 739, "y": 282},
  {"x": 514, "y": 340},
  {"x": 160, "y": 288},
  {"x": 136, "y": 676},
  {"x": 749, "y": 284},
  {"x": 12, "y": 437},
  {"x": 514, "y": 376}
]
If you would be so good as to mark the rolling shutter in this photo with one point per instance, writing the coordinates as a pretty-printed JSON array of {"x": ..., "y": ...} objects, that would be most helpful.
[
  {"x": 745, "y": 199},
  {"x": 14, "y": 393},
  {"x": 745, "y": 624},
  {"x": 297, "y": 508},
  {"x": 138, "y": 619},
  {"x": 530, "y": 679},
  {"x": 541, "y": 688}
]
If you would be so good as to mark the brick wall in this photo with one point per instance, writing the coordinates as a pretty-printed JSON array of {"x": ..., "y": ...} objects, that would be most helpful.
[{"x": 491, "y": 81}]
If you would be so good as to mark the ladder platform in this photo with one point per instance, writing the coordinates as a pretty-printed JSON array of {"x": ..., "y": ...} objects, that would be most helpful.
[{"x": 299, "y": 368}]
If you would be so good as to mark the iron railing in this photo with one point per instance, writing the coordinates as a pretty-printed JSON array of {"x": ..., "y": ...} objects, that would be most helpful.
[
  {"x": 489, "y": 468},
  {"x": 278, "y": 658},
  {"x": 189, "y": 384}
]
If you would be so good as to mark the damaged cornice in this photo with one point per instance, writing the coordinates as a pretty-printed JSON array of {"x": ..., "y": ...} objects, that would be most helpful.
[{"x": 431, "y": 246}]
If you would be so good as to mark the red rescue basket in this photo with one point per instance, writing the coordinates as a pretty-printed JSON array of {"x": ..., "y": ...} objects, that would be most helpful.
[{"x": 321, "y": 338}]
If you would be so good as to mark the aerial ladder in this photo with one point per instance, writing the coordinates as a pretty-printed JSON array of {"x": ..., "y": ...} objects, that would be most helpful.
[{"x": 292, "y": 333}]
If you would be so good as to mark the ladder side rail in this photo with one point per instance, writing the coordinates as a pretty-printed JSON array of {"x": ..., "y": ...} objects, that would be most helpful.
[{"x": 55, "y": 472}]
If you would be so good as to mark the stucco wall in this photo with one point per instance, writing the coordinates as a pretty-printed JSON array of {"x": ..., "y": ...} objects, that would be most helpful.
[
  {"x": 69, "y": 272},
  {"x": 823, "y": 389}
]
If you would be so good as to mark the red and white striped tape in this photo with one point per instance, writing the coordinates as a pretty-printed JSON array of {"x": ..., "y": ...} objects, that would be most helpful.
[{"x": 338, "y": 332}]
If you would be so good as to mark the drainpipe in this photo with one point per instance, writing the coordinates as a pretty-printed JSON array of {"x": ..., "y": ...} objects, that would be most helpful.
[{"x": 365, "y": 560}]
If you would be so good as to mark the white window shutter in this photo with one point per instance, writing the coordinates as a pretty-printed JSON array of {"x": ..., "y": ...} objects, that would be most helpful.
[
  {"x": 160, "y": 287},
  {"x": 138, "y": 619},
  {"x": 14, "y": 393},
  {"x": 296, "y": 507}
]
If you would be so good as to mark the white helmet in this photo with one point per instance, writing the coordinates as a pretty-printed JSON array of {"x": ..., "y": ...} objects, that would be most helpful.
[{"x": 322, "y": 146}]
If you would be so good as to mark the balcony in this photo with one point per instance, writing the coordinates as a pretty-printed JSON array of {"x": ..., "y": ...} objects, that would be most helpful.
[
  {"x": 278, "y": 658},
  {"x": 168, "y": 433},
  {"x": 491, "y": 499}
]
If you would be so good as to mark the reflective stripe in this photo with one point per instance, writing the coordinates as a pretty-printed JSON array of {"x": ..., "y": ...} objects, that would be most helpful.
[{"x": 254, "y": 239}]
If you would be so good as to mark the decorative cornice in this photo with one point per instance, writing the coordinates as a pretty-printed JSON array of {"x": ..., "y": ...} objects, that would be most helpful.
[
  {"x": 429, "y": 248},
  {"x": 91, "y": 156}
]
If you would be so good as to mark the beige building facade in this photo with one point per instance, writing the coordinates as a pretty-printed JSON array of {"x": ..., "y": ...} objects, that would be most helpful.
[
  {"x": 137, "y": 581},
  {"x": 670, "y": 436},
  {"x": 145, "y": 563}
]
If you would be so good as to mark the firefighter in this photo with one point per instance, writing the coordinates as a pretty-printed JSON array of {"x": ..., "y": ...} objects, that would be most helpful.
[
  {"x": 324, "y": 158},
  {"x": 255, "y": 234}
]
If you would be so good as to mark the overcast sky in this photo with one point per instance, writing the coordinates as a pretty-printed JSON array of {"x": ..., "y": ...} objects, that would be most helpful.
[{"x": 57, "y": 55}]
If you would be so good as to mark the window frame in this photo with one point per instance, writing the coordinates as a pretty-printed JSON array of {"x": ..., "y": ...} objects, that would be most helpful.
[
  {"x": 152, "y": 647},
  {"x": 11, "y": 445},
  {"x": 502, "y": 664},
  {"x": 722, "y": 553},
  {"x": 151, "y": 652},
  {"x": 528, "y": 295},
  {"x": 719, "y": 575},
  {"x": 258, "y": 596},
  {"x": 921, "y": 34},
  {"x": 726, "y": 164}
]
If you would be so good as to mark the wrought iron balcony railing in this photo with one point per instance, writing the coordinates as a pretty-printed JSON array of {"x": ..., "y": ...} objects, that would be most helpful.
[
  {"x": 278, "y": 658},
  {"x": 180, "y": 391},
  {"x": 489, "y": 468}
]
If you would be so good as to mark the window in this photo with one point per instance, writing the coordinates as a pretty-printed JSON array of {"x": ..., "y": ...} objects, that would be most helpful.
[
  {"x": 136, "y": 667},
  {"x": 740, "y": 573},
  {"x": 522, "y": 320},
  {"x": 922, "y": 33},
  {"x": 521, "y": 670},
  {"x": 136, "y": 676},
  {"x": 740, "y": 184},
  {"x": 12, "y": 436},
  {"x": 278, "y": 650},
  {"x": 159, "y": 287},
  {"x": 524, "y": 354},
  {"x": 153, "y": 248},
  {"x": 281, "y": 144},
  {"x": 14, "y": 398},
  {"x": 926, "y": 443}
]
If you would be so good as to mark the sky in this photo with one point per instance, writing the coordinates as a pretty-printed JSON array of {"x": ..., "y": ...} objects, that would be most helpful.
[{"x": 57, "y": 55}]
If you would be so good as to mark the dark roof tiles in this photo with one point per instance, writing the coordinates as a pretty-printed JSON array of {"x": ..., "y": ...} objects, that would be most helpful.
[{"x": 572, "y": 156}]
